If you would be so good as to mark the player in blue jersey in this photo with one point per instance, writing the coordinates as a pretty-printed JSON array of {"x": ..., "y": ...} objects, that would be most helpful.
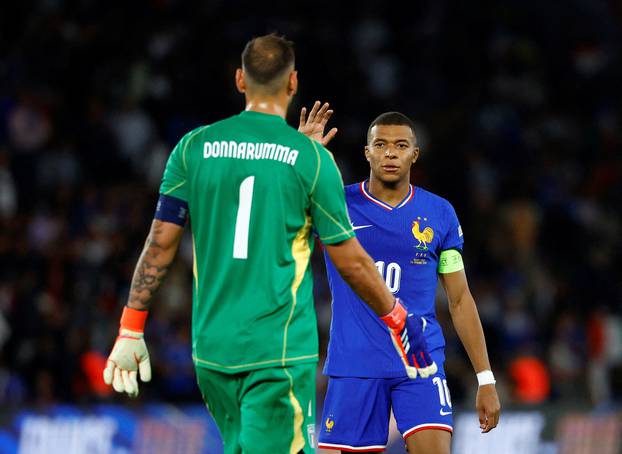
[{"x": 414, "y": 237}]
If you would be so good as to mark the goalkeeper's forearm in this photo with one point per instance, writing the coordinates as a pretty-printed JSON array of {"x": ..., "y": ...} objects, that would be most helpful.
[
  {"x": 154, "y": 262},
  {"x": 358, "y": 270}
]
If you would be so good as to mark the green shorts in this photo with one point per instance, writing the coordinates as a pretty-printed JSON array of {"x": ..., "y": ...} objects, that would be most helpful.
[{"x": 268, "y": 410}]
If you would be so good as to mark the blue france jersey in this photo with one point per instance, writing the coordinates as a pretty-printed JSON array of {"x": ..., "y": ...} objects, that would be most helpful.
[{"x": 405, "y": 242}]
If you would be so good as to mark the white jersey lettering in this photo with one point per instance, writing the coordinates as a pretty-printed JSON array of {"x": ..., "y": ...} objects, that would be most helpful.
[{"x": 250, "y": 150}]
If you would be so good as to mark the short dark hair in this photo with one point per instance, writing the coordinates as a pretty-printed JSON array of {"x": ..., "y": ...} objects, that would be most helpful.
[
  {"x": 266, "y": 59},
  {"x": 391, "y": 118}
]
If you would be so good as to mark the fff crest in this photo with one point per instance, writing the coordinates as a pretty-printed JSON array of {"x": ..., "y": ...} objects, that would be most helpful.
[
  {"x": 425, "y": 236},
  {"x": 329, "y": 423}
]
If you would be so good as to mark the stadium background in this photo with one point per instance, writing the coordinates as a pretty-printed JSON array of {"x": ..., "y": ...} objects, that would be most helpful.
[{"x": 518, "y": 109}]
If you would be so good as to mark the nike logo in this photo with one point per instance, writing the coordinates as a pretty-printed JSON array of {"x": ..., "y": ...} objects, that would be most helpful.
[
  {"x": 356, "y": 227},
  {"x": 444, "y": 413}
]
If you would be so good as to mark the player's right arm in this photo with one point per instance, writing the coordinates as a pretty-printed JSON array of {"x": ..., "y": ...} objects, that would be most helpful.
[
  {"x": 353, "y": 263},
  {"x": 357, "y": 268},
  {"x": 331, "y": 222}
]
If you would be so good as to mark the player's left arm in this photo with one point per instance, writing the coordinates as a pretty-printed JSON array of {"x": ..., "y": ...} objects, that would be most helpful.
[
  {"x": 154, "y": 262},
  {"x": 467, "y": 323},
  {"x": 129, "y": 356}
]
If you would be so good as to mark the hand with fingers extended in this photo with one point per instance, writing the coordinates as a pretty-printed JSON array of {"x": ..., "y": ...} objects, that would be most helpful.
[
  {"x": 313, "y": 126},
  {"x": 488, "y": 407},
  {"x": 129, "y": 356}
]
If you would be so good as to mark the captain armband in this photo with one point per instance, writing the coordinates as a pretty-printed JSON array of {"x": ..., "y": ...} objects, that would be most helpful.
[
  {"x": 450, "y": 261},
  {"x": 172, "y": 209}
]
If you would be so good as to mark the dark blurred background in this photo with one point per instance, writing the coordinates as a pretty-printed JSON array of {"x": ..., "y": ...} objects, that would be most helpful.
[{"x": 518, "y": 106}]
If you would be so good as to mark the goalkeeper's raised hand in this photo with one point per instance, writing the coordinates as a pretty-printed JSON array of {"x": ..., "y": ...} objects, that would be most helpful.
[
  {"x": 129, "y": 356},
  {"x": 314, "y": 124},
  {"x": 407, "y": 336}
]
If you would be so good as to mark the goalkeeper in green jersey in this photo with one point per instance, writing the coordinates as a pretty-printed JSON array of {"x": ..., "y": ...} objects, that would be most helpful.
[{"x": 254, "y": 188}]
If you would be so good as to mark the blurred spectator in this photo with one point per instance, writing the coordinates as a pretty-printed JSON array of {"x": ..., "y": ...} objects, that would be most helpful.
[
  {"x": 567, "y": 355},
  {"x": 92, "y": 365},
  {"x": 8, "y": 193},
  {"x": 29, "y": 126},
  {"x": 604, "y": 334},
  {"x": 133, "y": 130},
  {"x": 532, "y": 384}
]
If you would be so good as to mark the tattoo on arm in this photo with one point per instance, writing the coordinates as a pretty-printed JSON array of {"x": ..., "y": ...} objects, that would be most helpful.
[{"x": 152, "y": 267}]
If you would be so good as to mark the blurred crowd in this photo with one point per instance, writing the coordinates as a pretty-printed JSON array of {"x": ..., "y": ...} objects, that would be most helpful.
[{"x": 518, "y": 106}]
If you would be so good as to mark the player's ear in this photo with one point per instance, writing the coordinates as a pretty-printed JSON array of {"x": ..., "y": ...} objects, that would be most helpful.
[
  {"x": 240, "y": 83},
  {"x": 292, "y": 83},
  {"x": 367, "y": 153},
  {"x": 415, "y": 154}
]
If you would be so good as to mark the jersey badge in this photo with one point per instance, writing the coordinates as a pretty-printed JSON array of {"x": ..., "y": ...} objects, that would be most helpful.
[
  {"x": 424, "y": 236},
  {"x": 329, "y": 424}
]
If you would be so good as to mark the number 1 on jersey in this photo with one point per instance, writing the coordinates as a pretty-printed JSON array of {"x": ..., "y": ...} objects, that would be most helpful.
[{"x": 240, "y": 241}]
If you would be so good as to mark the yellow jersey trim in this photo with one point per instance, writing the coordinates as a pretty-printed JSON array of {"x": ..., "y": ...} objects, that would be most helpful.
[
  {"x": 177, "y": 186},
  {"x": 301, "y": 252},
  {"x": 190, "y": 137},
  {"x": 343, "y": 230},
  {"x": 298, "y": 440},
  {"x": 319, "y": 164},
  {"x": 195, "y": 271},
  {"x": 338, "y": 235},
  {"x": 249, "y": 365}
]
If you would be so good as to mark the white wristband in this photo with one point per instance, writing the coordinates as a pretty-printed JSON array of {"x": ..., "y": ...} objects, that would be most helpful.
[{"x": 486, "y": 377}]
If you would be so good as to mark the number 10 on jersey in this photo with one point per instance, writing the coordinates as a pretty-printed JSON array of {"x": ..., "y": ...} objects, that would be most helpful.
[{"x": 391, "y": 273}]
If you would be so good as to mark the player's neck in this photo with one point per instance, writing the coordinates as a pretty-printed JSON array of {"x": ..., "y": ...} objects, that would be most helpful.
[
  {"x": 272, "y": 106},
  {"x": 389, "y": 193}
]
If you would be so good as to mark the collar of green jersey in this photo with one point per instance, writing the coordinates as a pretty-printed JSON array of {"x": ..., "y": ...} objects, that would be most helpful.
[{"x": 262, "y": 115}]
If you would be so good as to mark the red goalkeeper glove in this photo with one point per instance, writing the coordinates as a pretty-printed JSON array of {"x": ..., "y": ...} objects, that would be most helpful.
[{"x": 407, "y": 336}]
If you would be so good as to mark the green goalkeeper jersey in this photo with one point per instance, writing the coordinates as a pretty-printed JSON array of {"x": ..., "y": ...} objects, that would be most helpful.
[{"x": 256, "y": 190}]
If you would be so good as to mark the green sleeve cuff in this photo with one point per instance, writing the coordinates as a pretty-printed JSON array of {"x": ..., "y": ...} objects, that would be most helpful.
[
  {"x": 338, "y": 238},
  {"x": 450, "y": 261}
]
